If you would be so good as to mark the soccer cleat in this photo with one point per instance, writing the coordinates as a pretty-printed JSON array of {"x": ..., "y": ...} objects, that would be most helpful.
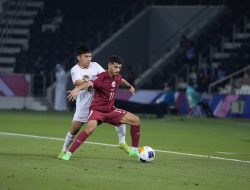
[
  {"x": 134, "y": 154},
  {"x": 124, "y": 147},
  {"x": 59, "y": 156},
  {"x": 66, "y": 156}
]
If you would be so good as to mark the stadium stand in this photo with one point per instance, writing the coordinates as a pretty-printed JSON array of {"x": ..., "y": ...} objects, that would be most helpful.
[
  {"x": 221, "y": 50},
  {"x": 221, "y": 45},
  {"x": 15, "y": 22},
  {"x": 81, "y": 22},
  {"x": 227, "y": 54},
  {"x": 39, "y": 47}
]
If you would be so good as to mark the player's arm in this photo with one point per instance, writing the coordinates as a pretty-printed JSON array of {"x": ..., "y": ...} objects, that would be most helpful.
[
  {"x": 83, "y": 85},
  {"x": 80, "y": 81},
  {"x": 129, "y": 86}
]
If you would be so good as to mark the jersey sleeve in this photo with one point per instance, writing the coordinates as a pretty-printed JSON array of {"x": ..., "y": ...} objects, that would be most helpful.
[
  {"x": 97, "y": 83},
  {"x": 75, "y": 76},
  {"x": 119, "y": 79}
]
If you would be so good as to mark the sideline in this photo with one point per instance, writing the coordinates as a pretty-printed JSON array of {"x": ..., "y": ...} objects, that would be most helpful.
[{"x": 112, "y": 145}]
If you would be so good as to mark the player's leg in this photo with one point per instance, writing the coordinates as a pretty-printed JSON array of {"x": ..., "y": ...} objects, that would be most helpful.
[
  {"x": 80, "y": 117},
  {"x": 206, "y": 108},
  {"x": 76, "y": 126},
  {"x": 121, "y": 132},
  {"x": 134, "y": 122},
  {"x": 81, "y": 137}
]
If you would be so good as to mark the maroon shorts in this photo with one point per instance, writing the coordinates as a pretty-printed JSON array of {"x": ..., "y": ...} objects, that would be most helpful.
[{"x": 113, "y": 117}]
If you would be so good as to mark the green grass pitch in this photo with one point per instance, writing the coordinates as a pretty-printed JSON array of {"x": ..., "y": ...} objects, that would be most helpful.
[{"x": 191, "y": 154}]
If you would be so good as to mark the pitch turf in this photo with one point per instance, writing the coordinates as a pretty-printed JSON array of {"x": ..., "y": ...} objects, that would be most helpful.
[{"x": 216, "y": 155}]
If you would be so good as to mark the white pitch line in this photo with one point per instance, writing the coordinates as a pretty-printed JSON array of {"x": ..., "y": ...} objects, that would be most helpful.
[
  {"x": 203, "y": 156},
  {"x": 227, "y": 152},
  {"x": 51, "y": 138},
  {"x": 112, "y": 145}
]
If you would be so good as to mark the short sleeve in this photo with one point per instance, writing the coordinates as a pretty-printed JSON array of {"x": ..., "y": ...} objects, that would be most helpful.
[
  {"x": 98, "y": 81},
  {"x": 119, "y": 80},
  {"x": 75, "y": 76}
]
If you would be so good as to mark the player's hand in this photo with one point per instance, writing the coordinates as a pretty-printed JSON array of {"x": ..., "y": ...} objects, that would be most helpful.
[
  {"x": 72, "y": 94},
  {"x": 132, "y": 90},
  {"x": 85, "y": 78}
]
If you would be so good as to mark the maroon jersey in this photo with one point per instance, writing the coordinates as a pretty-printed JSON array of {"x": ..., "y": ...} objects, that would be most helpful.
[{"x": 105, "y": 90}]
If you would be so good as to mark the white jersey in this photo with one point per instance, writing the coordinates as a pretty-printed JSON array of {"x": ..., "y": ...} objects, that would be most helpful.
[{"x": 84, "y": 97}]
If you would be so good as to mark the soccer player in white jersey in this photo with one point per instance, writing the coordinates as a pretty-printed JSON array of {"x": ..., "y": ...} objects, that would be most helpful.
[{"x": 82, "y": 71}]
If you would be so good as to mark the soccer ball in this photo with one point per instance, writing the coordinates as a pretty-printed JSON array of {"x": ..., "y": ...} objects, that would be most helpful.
[{"x": 146, "y": 154}]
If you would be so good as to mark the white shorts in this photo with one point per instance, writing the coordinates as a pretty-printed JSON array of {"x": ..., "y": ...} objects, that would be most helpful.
[{"x": 81, "y": 113}]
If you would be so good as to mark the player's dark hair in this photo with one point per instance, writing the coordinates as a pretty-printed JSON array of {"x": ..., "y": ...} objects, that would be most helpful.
[
  {"x": 82, "y": 49},
  {"x": 116, "y": 59}
]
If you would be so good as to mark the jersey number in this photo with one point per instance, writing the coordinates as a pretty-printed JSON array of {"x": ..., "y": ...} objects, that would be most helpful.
[{"x": 111, "y": 96}]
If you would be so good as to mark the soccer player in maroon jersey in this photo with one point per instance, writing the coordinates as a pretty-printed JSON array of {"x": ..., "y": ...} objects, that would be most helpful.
[{"x": 102, "y": 107}]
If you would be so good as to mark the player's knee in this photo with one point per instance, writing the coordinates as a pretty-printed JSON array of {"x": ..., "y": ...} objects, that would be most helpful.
[
  {"x": 136, "y": 120},
  {"x": 76, "y": 126},
  {"x": 90, "y": 129},
  {"x": 75, "y": 130}
]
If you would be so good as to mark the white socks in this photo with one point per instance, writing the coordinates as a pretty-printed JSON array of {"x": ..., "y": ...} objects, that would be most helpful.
[
  {"x": 121, "y": 132},
  {"x": 67, "y": 142}
]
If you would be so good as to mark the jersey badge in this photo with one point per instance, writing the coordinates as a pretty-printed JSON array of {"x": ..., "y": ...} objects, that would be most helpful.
[{"x": 113, "y": 84}]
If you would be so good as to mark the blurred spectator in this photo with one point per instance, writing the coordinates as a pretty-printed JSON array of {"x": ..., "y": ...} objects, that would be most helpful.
[
  {"x": 246, "y": 77},
  {"x": 198, "y": 108},
  {"x": 165, "y": 101},
  {"x": 245, "y": 80},
  {"x": 238, "y": 83},
  {"x": 39, "y": 71},
  {"x": 188, "y": 52},
  {"x": 213, "y": 71},
  {"x": 204, "y": 77},
  {"x": 39, "y": 68},
  {"x": 54, "y": 23},
  {"x": 36, "y": 65},
  {"x": 60, "y": 91},
  {"x": 221, "y": 71},
  {"x": 193, "y": 78}
]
